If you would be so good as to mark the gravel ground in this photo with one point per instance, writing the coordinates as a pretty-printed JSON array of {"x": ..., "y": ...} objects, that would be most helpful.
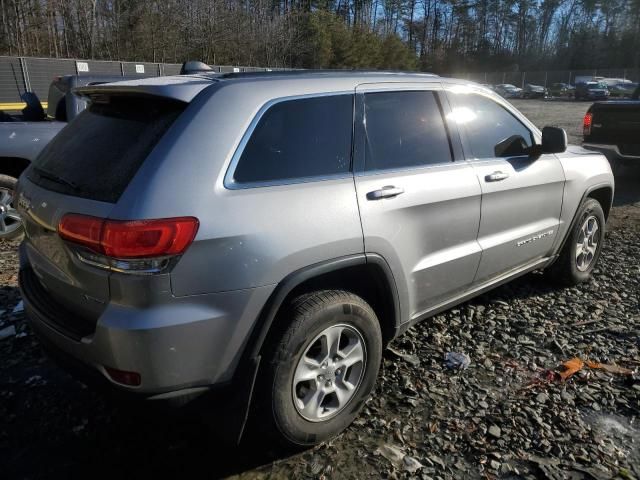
[{"x": 509, "y": 415}]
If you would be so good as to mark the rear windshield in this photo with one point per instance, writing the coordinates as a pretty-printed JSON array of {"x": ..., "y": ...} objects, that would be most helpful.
[{"x": 97, "y": 154}]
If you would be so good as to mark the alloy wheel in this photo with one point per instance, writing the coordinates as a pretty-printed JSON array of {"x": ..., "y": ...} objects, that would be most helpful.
[
  {"x": 329, "y": 372},
  {"x": 587, "y": 243},
  {"x": 10, "y": 220}
]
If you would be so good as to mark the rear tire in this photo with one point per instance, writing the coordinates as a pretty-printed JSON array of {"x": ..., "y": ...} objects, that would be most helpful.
[
  {"x": 582, "y": 248},
  {"x": 320, "y": 368},
  {"x": 10, "y": 222}
]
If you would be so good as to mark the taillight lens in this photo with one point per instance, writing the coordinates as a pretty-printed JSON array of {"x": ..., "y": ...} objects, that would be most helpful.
[
  {"x": 132, "y": 379},
  {"x": 148, "y": 238},
  {"x": 586, "y": 124},
  {"x": 126, "y": 239},
  {"x": 82, "y": 230}
]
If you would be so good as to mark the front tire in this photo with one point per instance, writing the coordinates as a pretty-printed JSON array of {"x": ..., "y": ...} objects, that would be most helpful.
[
  {"x": 10, "y": 221},
  {"x": 581, "y": 251},
  {"x": 321, "y": 367}
]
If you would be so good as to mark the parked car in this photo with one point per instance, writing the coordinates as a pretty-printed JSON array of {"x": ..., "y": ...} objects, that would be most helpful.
[
  {"x": 622, "y": 89},
  {"x": 507, "y": 90},
  {"x": 591, "y": 91},
  {"x": 612, "y": 127},
  {"x": 533, "y": 91},
  {"x": 561, "y": 90},
  {"x": 301, "y": 242},
  {"x": 610, "y": 82},
  {"x": 23, "y": 137}
]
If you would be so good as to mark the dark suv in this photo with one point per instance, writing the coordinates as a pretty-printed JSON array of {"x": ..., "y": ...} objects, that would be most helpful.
[{"x": 591, "y": 91}]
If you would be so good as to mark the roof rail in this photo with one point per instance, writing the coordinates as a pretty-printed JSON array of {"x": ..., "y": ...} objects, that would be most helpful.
[{"x": 319, "y": 72}]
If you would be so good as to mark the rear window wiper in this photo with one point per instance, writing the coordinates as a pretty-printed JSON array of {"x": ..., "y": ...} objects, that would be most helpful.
[{"x": 55, "y": 178}]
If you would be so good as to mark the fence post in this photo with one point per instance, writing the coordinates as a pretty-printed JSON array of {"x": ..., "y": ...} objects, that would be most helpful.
[
  {"x": 524, "y": 75},
  {"x": 545, "y": 78},
  {"x": 122, "y": 69},
  {"x": 25, "y": 74},
  {"x": 569, "y": 81}
]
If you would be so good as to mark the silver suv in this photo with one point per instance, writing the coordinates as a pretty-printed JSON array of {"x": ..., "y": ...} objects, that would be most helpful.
[{"x": 270, "y": 233}]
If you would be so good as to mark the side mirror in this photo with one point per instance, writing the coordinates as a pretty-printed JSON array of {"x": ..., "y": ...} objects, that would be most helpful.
[
  {"x": 554, "y": 140},
  {"x": 512, "y": 146}
]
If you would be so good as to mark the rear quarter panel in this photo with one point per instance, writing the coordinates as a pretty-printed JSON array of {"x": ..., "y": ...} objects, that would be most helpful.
[{"x": 248, "y": 237}]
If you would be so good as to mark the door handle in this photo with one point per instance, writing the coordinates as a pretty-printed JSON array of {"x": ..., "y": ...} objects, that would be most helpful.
[
  {"x": 388, "y": 191},
  {"x": 496, "y": 177}
]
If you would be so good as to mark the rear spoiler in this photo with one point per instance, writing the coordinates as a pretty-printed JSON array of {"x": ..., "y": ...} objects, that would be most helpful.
[{"x": 180, "y": 88}]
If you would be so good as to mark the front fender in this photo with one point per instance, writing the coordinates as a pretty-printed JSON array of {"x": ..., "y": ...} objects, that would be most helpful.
[{"x": 585, "y": 172}]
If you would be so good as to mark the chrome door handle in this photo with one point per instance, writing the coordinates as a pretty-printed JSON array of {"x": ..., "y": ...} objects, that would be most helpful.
[
  {"x": 388, "y": 191},
  {"x": 496, "y": 177}
]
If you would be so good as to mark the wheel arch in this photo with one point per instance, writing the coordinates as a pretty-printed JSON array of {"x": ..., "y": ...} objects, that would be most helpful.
[
  {"x": 604, "y": 195},
  {"x": 323, "y": 275},
  {"x": 375, "y": 284},
  {"x": 13, "y": 166}
]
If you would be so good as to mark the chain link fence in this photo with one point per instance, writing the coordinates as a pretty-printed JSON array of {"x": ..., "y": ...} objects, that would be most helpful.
[
  {"x": 549, "y": 77},
  {"x": 21, "y": 74}
]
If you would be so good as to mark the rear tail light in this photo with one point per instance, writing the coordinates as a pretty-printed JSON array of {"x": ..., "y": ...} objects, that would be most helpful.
[
  {"x": 131, "y": 379},
  {"x": 586, "y": 124},
  {"x": 129, "y": 245}
]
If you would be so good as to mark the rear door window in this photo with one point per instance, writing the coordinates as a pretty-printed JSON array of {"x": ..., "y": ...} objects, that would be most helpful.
[
  {"x": 97, "y": 154},
  {"x": 404, "y": 130},
  {"x": 298, "y": 139}
]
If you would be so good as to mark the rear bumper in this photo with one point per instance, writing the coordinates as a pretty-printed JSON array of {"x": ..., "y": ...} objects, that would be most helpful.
[
  {"x": 612, "y": 152},
  {"x": 226, "y": 404},
  {"x": 97, "y": 380},
  {"x": 186, "y": 344}
]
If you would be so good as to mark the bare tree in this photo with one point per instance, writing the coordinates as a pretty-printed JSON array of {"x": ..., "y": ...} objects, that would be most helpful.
[{"x": 438, "y": 35}]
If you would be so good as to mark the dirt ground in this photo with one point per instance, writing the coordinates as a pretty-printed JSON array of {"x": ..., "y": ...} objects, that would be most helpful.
[{"x": 509, "y": 415}]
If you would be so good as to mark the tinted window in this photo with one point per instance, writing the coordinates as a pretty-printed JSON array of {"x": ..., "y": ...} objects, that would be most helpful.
[
  {"x": 300, "y": 138},
  {"x": 97, "y": 154},
  {"x": 491, "y": 130},
  {"x": 404, "y": 129}
]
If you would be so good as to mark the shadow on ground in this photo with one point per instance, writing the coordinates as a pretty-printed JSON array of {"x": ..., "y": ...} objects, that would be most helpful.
[
  {"x": 627, "y": 186},
  {"x": 66, "y": 431}
]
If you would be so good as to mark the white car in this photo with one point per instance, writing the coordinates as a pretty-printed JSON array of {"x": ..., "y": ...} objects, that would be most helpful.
[{"x": 507, "y": 90}]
